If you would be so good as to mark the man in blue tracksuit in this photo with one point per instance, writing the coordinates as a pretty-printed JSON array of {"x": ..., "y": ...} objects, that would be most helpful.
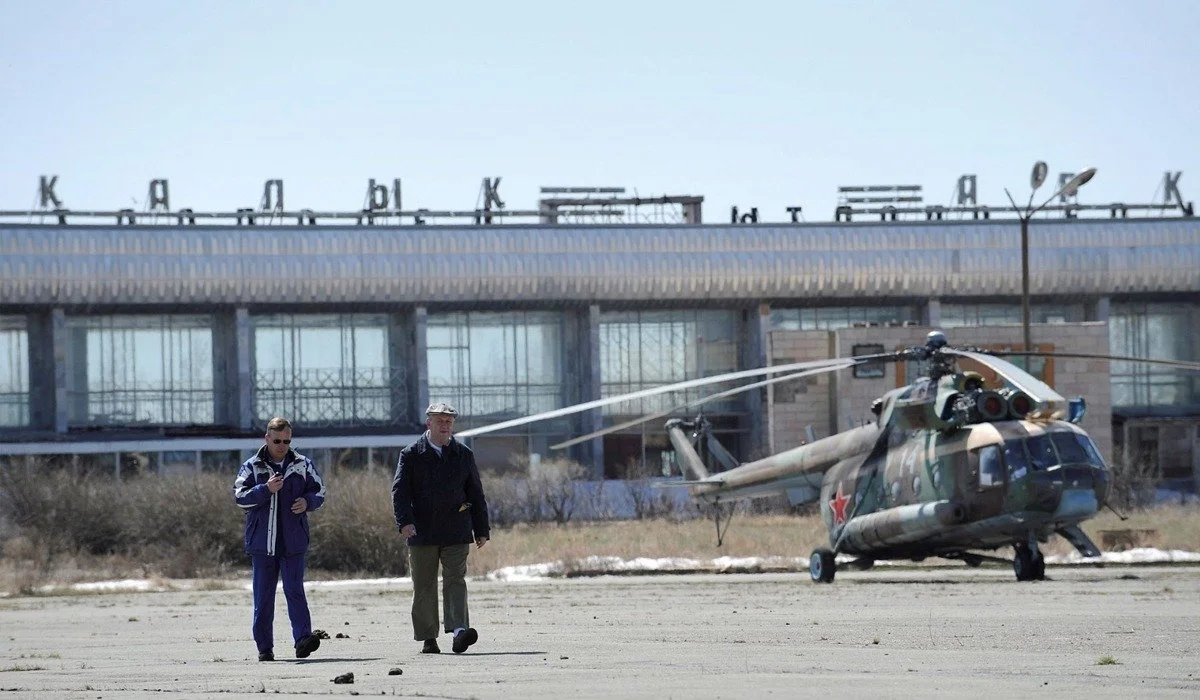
[{"x": 278, "y": 488}]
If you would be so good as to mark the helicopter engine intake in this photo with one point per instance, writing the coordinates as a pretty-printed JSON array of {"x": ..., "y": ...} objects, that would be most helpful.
[
  {"x": 991, "y": 405},
  {"x": 1020, "y": 404}
]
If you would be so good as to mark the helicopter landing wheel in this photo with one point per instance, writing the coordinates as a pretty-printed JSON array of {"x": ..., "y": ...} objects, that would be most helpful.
[
  {"x": 821, "y": 566},
  {"x": 1028, "y": 564}
]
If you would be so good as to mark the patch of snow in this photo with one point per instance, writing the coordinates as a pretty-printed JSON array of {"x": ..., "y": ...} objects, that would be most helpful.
[
  {"x": 601, "y": 565},
  {"x": 1141, "y": 555}
]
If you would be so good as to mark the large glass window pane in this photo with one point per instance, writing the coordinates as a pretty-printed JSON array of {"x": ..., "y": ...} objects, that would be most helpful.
[
  {"x": 14, "y": 371},
  {"x": 137, "y": 370},
  {"x": 644, "y": 349},
  {"x": 491, "y": 365},
  {"x": 1159, "y": 331},
  {"x": 327, "y": 369}
]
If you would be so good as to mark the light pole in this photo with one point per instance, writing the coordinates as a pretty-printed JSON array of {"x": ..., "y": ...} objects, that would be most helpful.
[{"x": 1036, "y": 178}]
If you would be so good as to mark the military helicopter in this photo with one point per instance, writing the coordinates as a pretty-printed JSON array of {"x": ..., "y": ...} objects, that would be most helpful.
[{"x": 949, "y": 467}]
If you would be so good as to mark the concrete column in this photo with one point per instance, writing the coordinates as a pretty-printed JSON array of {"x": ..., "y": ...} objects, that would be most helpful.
[
  {"x": 835, "y": 379},
  {"x": 932, "y": 315},
  {"x": 418, "y": 364},
  {"x": 402, "y": 365},
  {"x": 591, "y": 453},
  {"x": 570, "y": 360},
  {"x": 77, "y": 375},
  {"x": 1098, "y": 309},
  {"x": 225, "y": 372},
  {"x": 41, "y": 371},
  {"x": 60, "y": 342},
  {"x": 244, "y": 342},
  {"x": 1196, "y": 459},
  {"x": 756, "y": 324}
]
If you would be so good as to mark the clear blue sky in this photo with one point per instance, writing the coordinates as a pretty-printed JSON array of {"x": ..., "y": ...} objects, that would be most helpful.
[{"x": 764, "y": 104}]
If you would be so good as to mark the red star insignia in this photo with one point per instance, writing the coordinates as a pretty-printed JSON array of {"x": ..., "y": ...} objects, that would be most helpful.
[{"x": 838, "y": 505}]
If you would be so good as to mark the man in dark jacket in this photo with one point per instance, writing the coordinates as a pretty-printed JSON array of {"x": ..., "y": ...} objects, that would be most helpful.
[
  {"x": 440, "y": 509},
  {"x": 278, "y": 488}
]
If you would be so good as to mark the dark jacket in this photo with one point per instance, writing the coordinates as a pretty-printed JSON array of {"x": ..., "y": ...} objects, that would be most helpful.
[
  {"x": 441, "y": 496},
  {"x": 269, "y": 516}
]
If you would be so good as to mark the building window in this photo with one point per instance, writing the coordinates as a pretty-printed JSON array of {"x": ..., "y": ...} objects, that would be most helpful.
[
  {"x": 492, "y": 365},
  {"x": 991, "y": 314},
  {"x": 834, "y": 317},
  {"x": 326, "y": 370},
  {"x": 644, "y": 349},
  {"x": 140, "y": 370},
  {"x": 14, "y": 371},
  {"x": 1161, "y": 331},
  {"x": 868, "y": 370}
]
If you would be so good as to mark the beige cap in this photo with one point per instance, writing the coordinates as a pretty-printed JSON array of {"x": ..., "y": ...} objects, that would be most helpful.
[{"x": 440, "y": 407}]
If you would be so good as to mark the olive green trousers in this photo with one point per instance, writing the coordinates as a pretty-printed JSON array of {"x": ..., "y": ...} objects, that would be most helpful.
[{"x": 423, "y": 564}]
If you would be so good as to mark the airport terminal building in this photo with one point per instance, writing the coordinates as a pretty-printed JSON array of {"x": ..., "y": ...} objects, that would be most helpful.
[{"x": 170, "y": 339}]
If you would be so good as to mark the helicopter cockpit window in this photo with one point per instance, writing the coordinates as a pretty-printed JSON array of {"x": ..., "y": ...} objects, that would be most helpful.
[
  {"x": 1041, "y": 452},
  {"x": 1069, "y": 449},
  {"x": 991, "y": 467},
  {"x": 1090, "y": 448},
  {"x": 1016, "y": 459}
]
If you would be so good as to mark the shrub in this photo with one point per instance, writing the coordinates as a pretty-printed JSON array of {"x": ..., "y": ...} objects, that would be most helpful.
[
  {"x": 1132, "y": 481},
  {"x": 647, "y": 502},
  {"x": 356, "y": 530}
]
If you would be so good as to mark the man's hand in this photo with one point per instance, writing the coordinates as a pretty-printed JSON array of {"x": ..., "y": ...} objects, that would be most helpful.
[
  {"x": 408, "y": 531},
  {"x": 275, "y": 483},
  {"x": 299, "y": 505},
  {"x": 480, "y": 541}
]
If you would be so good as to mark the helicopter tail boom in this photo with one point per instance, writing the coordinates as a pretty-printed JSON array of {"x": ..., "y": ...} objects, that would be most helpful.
[
  {"x": 689, "y": 459},
  {"x": 799, "y": 470}
]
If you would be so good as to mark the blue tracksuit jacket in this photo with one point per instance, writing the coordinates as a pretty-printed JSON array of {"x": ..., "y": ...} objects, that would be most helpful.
[{"x": 269, "y": 517}]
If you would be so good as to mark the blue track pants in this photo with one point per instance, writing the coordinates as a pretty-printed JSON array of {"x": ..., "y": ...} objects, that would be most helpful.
[{"x": 267, "y": 570}]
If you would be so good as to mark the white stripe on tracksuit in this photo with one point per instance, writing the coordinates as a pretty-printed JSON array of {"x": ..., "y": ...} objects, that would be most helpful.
[{"x": 301, "y": 466}]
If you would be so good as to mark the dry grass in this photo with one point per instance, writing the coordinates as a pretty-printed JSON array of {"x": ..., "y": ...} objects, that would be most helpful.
[
  {"x": 748, "y": 536},
  {"x": 1174, "y": 527}
]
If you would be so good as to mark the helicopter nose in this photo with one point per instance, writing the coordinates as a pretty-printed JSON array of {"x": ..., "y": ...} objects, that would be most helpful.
[{"x": 1082, "y": 489}]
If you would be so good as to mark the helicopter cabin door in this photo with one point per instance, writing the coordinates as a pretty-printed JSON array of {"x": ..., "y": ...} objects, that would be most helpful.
[{"x": 985, "y": 482}]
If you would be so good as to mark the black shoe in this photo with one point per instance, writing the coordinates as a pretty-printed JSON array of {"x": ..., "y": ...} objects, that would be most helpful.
[
  {"x": 266, "y": 656},
  {"x": 430, "y": 647},
  {"x": 307, "y": 645},
  {"x": 464, "y": 639}
]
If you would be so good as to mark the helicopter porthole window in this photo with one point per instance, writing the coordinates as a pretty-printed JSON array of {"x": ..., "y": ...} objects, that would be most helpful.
[
  {"x": 896, "y": 490},
  {"x": 936, "y": 476},
  {"x": 916, "y": 484}
]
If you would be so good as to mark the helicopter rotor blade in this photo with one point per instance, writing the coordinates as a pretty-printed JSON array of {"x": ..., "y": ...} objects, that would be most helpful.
[
  {"x": 698, "y": 402},
  {"x": 1037, "y": 390},
  {"x": 1180, "y": 364},
  {"x": 654, "y": 391}
]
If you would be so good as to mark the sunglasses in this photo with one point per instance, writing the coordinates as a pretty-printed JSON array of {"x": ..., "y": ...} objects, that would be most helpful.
[{"x": 277, "y": 441}]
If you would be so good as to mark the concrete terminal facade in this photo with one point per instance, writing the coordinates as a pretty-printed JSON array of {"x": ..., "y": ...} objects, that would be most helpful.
[{"x": 181, "y": 340}]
